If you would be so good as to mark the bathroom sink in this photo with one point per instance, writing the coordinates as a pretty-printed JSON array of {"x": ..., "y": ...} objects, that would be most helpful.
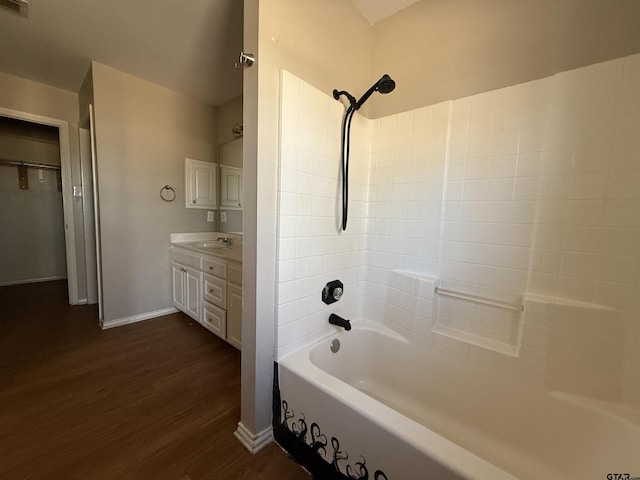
[
  {"x": 212, "y": 247},
  {"x": 211, "y": 244}
]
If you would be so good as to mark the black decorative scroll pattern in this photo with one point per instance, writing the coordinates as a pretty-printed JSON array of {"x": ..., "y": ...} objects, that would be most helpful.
[{"x": 309, "y": 446}]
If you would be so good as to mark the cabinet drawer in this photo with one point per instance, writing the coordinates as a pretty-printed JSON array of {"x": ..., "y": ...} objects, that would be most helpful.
[
  {"x": 234, "y": 274},
  {"x": 215, "y": 320},
  {"x": 213, "y": 267},
  {"x": 215, "y": 291}
]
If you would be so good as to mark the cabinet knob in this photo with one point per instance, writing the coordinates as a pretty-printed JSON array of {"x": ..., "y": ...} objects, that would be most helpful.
[
  {"x": 211, "y": 290},
  {"x": 210, "y": 268},
  {"x": 193, "y": 201}
]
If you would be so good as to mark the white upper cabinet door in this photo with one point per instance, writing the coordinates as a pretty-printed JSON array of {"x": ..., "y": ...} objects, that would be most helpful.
[
  {"x": 230, "y": 187},
  {"x": 201, "y": 181}
]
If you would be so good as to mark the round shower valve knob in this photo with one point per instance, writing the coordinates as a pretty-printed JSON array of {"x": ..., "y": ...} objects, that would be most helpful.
[{"x": 332, "y": 292}]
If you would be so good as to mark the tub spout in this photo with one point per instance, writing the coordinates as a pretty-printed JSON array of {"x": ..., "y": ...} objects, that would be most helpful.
[{"x": 339, "y": 321}]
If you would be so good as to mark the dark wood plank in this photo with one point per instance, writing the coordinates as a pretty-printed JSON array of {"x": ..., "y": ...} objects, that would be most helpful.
[{"x": 153, "y": 400}]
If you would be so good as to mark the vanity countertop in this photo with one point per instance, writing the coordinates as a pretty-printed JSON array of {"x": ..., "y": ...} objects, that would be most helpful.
[{"x": 208, "y": 244}]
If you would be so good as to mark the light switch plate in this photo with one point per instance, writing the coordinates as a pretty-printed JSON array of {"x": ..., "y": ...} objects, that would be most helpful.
[
  {"x": 223, "y": 216},
  {"x": 210, "y": 217}
]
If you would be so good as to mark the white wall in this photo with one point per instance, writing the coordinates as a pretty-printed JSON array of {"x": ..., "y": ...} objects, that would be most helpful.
[
  {"x": 314, "y": 40},
  {"x": 32, "y": 224},
  {"x": 143, "y": 134},
  {"x": 528, "y": 191},
  {"x": 229, "y": 116},
  {"x": 32, "y": 221},
  {"x": 438, "y": 50},
  {"x": 24, "y": 95}
]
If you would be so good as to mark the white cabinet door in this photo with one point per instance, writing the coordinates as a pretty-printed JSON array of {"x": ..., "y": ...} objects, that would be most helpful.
[
  {"x": 201, "y": 180},
  {"x": 187, "y": 290},
  {"x": 177, "y": 272},
  {"x": 230, "y": 187},
  {"x": 193, "y": 295},
  {"x": 234, "y": 315}
]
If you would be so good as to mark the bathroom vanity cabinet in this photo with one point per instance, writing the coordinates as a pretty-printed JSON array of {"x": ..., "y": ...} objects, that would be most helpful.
[{"x": 208, "y": 288}]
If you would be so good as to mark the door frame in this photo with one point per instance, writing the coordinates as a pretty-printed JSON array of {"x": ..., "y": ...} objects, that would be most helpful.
[{"x": 67, "y": 191}]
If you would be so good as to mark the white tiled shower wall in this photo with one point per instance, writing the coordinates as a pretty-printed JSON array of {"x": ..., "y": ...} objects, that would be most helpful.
[
  {"x": 311, "y": 249},
  {"x": 531, "y": 190}
]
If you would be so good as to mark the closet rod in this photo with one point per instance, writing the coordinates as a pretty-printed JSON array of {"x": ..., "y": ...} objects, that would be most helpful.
[{"x": 28, "y": 164}]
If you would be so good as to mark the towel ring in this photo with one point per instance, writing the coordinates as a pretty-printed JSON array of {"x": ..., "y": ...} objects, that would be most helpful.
[{"x": 167, "y": 193}]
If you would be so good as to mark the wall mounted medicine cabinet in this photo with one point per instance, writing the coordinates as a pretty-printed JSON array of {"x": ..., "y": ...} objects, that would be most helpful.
[
  {"x": 230, "y": 187},
  {"x": 231, "y": 175},
  {"x": 201, "y": 180}
]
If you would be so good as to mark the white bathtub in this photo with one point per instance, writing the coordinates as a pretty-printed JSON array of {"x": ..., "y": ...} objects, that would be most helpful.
[{"x": 410, "y": 411}]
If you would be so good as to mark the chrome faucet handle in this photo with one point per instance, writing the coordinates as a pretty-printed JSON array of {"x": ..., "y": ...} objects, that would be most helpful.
[
  {"x": 225, "y": 241},
  {"x": 332, "y": 292}
]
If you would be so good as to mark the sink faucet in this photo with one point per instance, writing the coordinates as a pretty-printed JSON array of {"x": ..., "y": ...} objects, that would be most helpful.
[
  {"x": 339, "y": 321},
  {"x": 225, "y": 241}
]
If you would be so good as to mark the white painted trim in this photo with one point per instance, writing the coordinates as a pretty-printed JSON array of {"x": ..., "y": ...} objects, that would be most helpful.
[
  {"x": 32, "y": 280},
  {"x": 105, "y": 324},
  {"x": 88, "y": 214},
  {"x": 67, "y": 198},
  {"x": 259, "y": 157},
  {"x": 96, "y": 209},
  {"x": 253, "y": 442},
  {"x": 67, "y": 206}
]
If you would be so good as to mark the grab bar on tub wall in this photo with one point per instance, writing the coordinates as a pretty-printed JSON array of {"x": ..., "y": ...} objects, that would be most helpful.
[{"x": 481, "y": 300}]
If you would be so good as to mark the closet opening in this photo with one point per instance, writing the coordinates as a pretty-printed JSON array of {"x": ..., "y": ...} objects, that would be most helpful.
[{"x": 36, "y": 214}]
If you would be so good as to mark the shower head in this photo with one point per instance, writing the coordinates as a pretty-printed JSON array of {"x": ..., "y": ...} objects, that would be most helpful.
[{"x": 384, "y": 85}]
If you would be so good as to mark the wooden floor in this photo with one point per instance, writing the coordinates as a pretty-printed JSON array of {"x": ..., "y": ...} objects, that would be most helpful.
[{"x": 153, "y": 400}]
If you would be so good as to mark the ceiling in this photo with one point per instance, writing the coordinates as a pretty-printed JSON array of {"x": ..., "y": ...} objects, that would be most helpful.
[
  {"x": 376, "y": 10},
  {"x": 187, "y": 46}
]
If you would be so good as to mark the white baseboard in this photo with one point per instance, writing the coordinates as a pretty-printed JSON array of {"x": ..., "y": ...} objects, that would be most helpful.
[
  {"x": 105, "y": 324},
  {"x": 32, "y": 280},
  {"x": 253, "y": 442}
]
